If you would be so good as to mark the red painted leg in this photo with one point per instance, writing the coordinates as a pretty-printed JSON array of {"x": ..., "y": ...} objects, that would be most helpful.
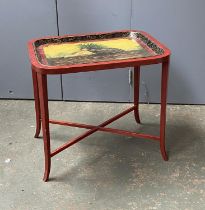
[
  {"x": 43, "y": 93},
  {"x": 136, "y": 92},
  {"x": 37, "y": 103},
  {"x": 164, "y": 84}
]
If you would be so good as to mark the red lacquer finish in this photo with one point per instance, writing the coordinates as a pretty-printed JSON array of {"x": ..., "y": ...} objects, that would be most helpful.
[
  {"x": 40, "y": 72},
  {"x": 136, "y": 92},
  {"x": 37, "y": 103},
  {"x": 164, "y": 84},
  {"x": 43, "y": 94}
]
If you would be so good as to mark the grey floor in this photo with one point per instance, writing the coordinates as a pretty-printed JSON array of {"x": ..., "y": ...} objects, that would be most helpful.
[{"x": 105, "y": 171}]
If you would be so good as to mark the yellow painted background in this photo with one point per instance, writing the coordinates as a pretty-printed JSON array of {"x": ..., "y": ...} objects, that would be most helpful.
[{"x": 73, "y": 49}]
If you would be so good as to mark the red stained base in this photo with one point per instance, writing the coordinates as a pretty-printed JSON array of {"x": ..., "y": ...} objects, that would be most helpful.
[{"x": 100, "y": 127}]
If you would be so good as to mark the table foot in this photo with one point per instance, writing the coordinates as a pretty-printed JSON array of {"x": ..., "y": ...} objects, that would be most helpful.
[
  {"x": 47, "y": 169},
  {"x": 137, "y": 117},
  {"x": 38, "y": 128},
  {"x": 37, "y": 133},
  {"x": 163, "y": 151}
]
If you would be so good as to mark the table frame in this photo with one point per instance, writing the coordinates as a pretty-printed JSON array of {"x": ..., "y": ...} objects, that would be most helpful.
[{"x": 40, "y": 72}]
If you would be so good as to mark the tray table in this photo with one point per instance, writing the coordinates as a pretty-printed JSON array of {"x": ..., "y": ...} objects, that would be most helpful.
[{"x": 94, "y": 52}]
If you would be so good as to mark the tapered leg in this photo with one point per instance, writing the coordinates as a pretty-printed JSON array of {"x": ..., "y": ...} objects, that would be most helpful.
[
  {"x": 136, "y": 92},
  {"x": 164, "y": 84},
  {"x": 43, "y": 93},
  {"x": 37, "y": 103}
]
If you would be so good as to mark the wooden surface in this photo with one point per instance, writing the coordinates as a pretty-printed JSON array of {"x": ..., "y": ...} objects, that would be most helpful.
[{"x": 148, "y": 51}]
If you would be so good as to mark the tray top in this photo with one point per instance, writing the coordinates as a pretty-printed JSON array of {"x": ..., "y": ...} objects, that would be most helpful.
[{"x": 94, "y": 48}]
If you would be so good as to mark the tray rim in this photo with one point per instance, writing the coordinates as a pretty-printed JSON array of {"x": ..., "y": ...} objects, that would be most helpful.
[{"x": 46, "y": 69}]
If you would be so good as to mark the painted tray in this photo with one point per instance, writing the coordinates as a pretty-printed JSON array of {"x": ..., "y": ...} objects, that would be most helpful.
[{"x": 85, "y": 49}]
